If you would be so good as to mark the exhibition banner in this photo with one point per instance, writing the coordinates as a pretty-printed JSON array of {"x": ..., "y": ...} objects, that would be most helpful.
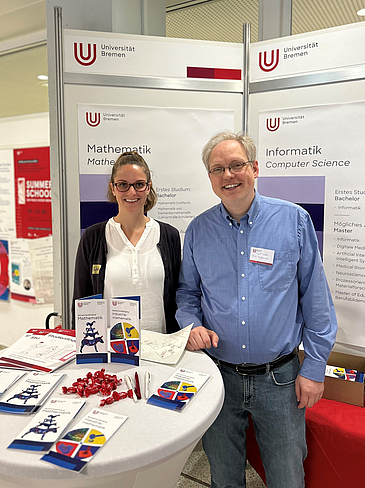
[
  {"x": 150, "y": 56},
  {"x": 314, "y": 156},
  {"x": 4, "y": 270},
  {"x": 7, "y": 207},
  {"x": 311, "y": 52},
  {"x": 32, "y": 192},
  {"x": 169, "y": 139}
]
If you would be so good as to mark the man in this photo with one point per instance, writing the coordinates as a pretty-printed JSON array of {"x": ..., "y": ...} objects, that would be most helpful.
[{"x": 253, "y": 284}]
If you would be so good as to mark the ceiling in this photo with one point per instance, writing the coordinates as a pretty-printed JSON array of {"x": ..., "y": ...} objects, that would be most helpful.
[{"x": 219, "y": 20}]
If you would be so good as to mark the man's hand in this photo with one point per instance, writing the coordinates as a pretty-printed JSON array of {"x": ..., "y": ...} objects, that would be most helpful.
[
  {"x": 201, "y": 338},
  {"x": 308, "y": 391}
]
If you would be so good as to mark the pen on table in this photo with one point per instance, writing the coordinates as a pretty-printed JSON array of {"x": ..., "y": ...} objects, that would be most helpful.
[
  {"x": 138, "y": 387},
  {"x": 129, "y": 386},
  {"x": 147, "y": 379}
]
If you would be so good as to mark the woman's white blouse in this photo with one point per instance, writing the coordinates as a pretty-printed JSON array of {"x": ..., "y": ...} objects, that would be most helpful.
[{"x": 137, "y": 270}]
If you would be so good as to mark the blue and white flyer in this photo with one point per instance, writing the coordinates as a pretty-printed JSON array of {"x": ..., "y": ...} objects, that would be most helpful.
[
  {"x": 8, "y": 378},
  {"x": 78, "y": 446},
  {"x": 124, "y": 330},
  {"x": 178, "y": 390},
  {"x": 48, "y": 425},
  {"x": 91, "y": 331},
  {"x": 30, "y": 393}
]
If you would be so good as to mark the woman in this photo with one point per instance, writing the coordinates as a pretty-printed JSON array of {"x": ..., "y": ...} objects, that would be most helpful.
[{"x": 132, "y": 254}]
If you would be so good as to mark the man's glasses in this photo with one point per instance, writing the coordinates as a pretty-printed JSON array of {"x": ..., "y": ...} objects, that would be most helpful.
[
  {"x": 123, "y": 186},
  {"x": 233, "y": 168}
]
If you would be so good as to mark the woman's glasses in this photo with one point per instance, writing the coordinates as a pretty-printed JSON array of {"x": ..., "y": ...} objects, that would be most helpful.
[{"x": 124, "y": 186}]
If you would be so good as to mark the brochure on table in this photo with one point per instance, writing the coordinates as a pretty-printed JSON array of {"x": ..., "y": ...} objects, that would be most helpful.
[
  {"x": 125, "y": 313},
  {"x": 79, "y": 445},
  {"x": 164, "y": 348},
  {"x": 91, "y": 330},
  {"x": 8, "y": 378},
  {"x": 179, "y": 389},
  {"x": 41, "y": 350},
  {"x": 48, "y": 425},
  {"x": 29, "y": 393}
]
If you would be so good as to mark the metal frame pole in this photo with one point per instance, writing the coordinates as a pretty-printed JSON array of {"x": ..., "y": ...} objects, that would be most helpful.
[
  {"x": 246, "y": 76},
  {"x": 61, "y": 156}
]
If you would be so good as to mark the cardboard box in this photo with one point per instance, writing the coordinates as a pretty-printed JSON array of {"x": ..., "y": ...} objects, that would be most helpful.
[{"x": 340, "y": 389}]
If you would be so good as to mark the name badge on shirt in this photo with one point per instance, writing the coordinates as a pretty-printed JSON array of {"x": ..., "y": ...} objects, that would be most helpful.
[
  {"x": 96, "y": 268},
  {"x": 261, "y": 256}
]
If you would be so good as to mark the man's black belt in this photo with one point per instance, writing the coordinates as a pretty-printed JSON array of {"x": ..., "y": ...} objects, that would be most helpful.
[{"x": 251, "y": 369}]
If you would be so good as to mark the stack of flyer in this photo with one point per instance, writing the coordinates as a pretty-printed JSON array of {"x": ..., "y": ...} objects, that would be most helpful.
[
  {"x": 8, "y": 378},
  {"x": 48, "y": 425},
  {"x": 345, "y": 374},
  {"x": 40, "y": 350},
  {"x": 91, "y": 330},
  {"x": 98, "y": 343},
  {"x": 178, "y": 390},
  {"x": 29, "y": 393},
  {"x": 125, "y": 314},
  {"x": 78, "y": 446}
]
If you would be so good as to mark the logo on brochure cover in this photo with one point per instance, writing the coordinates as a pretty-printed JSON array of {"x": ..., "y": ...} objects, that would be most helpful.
[
  {"x": 79, "y": 305},
  {"x": 114, "y": 303},
  {"x": 273, "y": 124},
  {"x": 265, "y": 64},
  {"x": 81, "y": 58},
  {"x": 92, "y": 119}
]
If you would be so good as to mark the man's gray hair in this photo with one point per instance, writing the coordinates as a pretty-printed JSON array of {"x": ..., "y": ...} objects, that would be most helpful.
[{"x": 246, "y": 141}]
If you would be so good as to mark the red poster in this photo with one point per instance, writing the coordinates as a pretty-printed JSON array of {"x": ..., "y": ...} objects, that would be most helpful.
[{"x": 32, "y": 192}]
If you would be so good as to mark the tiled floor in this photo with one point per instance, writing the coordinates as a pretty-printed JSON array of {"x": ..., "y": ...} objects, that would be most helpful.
[{"x": 196, "y": 472}]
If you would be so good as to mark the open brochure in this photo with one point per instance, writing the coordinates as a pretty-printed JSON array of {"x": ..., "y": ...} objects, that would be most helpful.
[
  {"x": 29, "y": 393},
  {"x": 78, "y": 446},
  {"x": 179, "y": 389},
  {"x": 48, "y": 425},
  {"x": 40, "y": 350},
  {"x": 164, "y": 348}
]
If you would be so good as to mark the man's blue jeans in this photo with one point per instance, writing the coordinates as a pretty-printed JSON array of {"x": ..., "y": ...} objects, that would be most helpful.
[{"x": 279, "y": 427}]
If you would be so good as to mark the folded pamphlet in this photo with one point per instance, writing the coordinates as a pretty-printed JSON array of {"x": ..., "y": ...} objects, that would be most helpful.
[
  {"x": 78, "y": 446},
  {"x": 48, "y": 425},
  {"x": 178, "y": 390},
  {"x": 345, "y": 374},
  {"x": 29, "y": 393},
  {"x": 7, "y": 379}
]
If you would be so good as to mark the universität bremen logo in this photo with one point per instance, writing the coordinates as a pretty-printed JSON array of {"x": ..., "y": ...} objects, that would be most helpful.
[
  {"x": 266, "y": 64},
  {"x": 92, "y": 119},
  {"x": 85, "y": 59},
  {"x": 273, "y": 124}
]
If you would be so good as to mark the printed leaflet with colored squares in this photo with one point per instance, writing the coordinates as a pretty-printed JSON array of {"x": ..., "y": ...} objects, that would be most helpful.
[
  {"x": 124, "y": 330},
  {"x": 178, "y": 390},
  {"x": 79, "y": 445}
]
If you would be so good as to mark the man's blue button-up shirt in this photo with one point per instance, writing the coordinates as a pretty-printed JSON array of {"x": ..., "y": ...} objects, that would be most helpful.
[{"x": 259, "y": 311}]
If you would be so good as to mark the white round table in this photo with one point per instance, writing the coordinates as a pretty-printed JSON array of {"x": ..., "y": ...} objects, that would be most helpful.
[{"x": 148, "y": 451}]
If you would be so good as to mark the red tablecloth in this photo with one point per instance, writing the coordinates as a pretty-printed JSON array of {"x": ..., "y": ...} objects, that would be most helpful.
[{"x": 336, "y": 446}]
